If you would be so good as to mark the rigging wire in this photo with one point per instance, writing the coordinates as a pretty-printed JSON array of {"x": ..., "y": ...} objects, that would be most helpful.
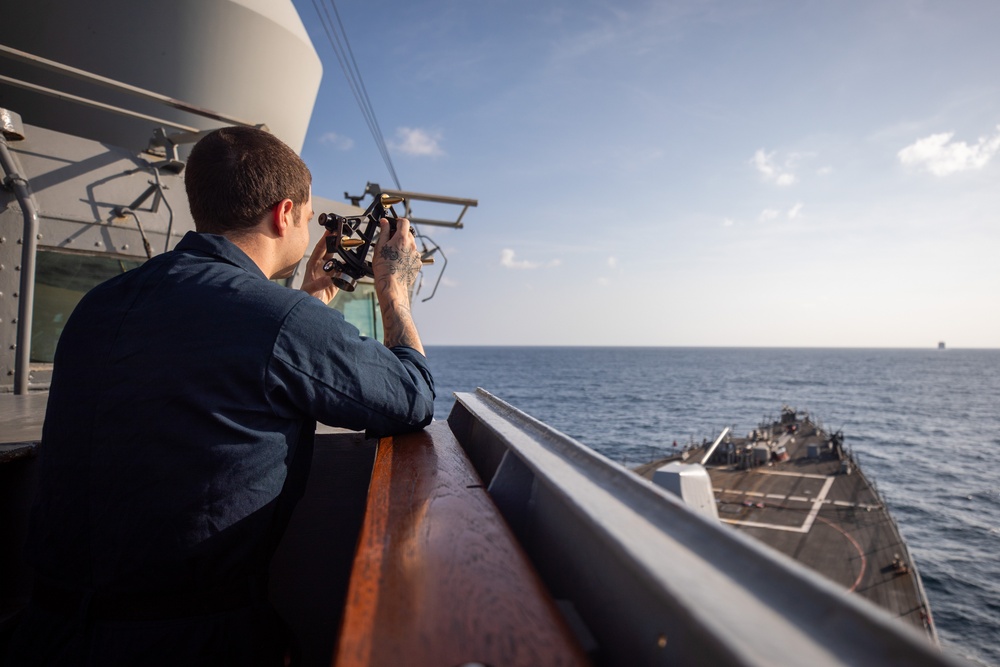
[
  {"x": 345, "y": 56},
  {"x": 364, "y": 90},
  {"x": 348, "y": 64}
]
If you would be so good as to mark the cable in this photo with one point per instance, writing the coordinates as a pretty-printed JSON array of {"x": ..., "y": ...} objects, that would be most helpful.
[
  {"x": 163, "y": 197},
  {"x": 364, "y": 92},
  {"x": 121, "y": 212},
  {"x": 170, "y": 209},
  {"x": 345, "y": 56},
  {"x": 435, "y": 249},
  {"x": 349, "y": 65}
]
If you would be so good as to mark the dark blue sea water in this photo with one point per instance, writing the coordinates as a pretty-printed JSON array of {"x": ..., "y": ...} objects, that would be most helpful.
[{"x": 925, "y": 423}]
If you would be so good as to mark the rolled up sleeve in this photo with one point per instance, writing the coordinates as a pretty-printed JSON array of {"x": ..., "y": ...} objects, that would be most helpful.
[{"x": 322, "y": 367}]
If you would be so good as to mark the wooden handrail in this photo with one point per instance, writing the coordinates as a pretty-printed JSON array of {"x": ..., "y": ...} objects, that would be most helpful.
[{"x": 438, "y": 578}]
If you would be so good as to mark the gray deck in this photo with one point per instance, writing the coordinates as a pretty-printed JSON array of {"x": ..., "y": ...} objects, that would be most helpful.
[
  {"x": 21, "y": 418},
  {"x": 832, "y": 522}
]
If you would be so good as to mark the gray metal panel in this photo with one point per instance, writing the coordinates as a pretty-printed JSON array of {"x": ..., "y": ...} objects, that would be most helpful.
[
  {"x": 77, "y": 184},
  {"x": 658, "y": 584}
]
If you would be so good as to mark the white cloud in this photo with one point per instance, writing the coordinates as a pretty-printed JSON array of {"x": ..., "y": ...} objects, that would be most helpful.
[
  {"x": 794, "y": 211},
  {"x": 764, "y": 163},
  {"x": 612, "y": 262},
  {"x": 941, "y": 156},
  {"x": 768, "y": 214},
  {"x": 415, "y": 141},
  {"x": 728, "y": 222},
  {"x": 338, "y": 141},
  {"x": 507, "y": 260},
  {"x": 771, "y": 170}
]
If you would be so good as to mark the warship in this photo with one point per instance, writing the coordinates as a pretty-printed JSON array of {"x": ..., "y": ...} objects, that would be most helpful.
[
  {"x": 798, "y": 489},
  {"x": 487, "y": 539}
]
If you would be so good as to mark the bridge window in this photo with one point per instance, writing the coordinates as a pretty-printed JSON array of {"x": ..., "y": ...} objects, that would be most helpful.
[
  {"x": 61, "y": 280},
  {"x": 360, "y": 308}
]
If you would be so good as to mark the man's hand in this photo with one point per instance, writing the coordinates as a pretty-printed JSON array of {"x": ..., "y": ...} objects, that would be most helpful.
[
  {"x": 396, "y": 264},
  {"x": 317, "y": 282}
]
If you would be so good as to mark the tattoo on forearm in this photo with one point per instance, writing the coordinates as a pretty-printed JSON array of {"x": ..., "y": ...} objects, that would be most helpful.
[
  {"x": 404, "y": 339},
  {"x": 397, "y": 323},
  {"x": 404, "y": 267},
  {"x": 396, "y": 270}
]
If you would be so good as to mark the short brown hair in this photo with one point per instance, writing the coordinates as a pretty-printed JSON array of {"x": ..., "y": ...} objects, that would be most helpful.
[{"x": 237, "y": 174}]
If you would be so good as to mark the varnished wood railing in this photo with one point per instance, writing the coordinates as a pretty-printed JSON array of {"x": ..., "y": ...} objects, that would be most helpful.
[{"x": 438, "y": 579}]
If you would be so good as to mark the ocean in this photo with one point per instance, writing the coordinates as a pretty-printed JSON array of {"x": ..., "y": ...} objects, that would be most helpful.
[{"x": 925, "y": 425}]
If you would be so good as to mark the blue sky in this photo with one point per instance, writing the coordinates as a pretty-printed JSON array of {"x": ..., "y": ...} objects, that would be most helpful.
[{"x": 710, "y": 173}]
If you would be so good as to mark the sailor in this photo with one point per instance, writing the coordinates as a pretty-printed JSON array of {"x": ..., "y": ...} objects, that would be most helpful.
[
  {"x": 899, "y": 566},
  {"x": 180, "y": 422}
]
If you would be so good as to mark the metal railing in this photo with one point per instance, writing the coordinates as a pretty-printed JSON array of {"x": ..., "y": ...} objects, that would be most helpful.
[
  {"x": 654, "y": 582},
  {"x": 13, "y": 178},
  {"x": 375, "y": 190},
  {"x": 90, "y": 77}
]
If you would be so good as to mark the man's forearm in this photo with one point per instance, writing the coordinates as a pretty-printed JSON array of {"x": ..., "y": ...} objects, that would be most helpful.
[
  {"x": 396, "y": 264},
  {"x": 398, "y": 327}
]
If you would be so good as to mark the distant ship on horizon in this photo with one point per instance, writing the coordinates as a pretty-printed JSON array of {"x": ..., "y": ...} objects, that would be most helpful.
[{"x": 941, "y": 345}]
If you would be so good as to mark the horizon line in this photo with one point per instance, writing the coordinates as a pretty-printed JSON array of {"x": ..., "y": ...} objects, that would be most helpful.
[{"x": 706, "y": 347}]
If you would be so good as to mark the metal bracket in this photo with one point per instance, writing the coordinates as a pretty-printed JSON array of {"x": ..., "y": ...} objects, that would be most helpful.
[
  {"x": 375, "y": 191},
  {"x": 11, "y": 126}
]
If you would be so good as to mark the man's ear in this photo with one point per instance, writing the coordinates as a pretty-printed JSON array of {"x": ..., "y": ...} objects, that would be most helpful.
[{"x": 282, "y": 217}]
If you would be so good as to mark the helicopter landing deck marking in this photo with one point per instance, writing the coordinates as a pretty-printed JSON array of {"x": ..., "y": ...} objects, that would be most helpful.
[{"x": 816, "y": 503}]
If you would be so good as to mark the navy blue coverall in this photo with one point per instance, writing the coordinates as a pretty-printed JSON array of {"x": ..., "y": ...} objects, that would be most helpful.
[{"x": 177, "y": 440}]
